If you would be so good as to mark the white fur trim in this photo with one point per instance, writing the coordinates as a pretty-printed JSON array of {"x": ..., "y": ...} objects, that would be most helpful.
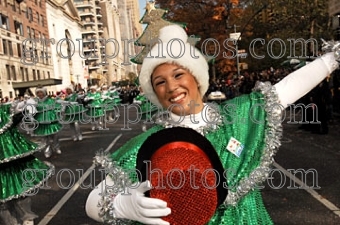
[
  {"x": 70, "y": 87},
  {"x": 94, "y": 87},
  {"x": 175, "y": 49},
  {"x": 43, "y": 89}
]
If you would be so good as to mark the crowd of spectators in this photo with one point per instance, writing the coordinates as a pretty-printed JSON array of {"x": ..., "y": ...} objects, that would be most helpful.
[{"x": 325, "y": 97}]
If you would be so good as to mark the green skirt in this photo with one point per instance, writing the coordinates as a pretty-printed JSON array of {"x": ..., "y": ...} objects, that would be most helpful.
[
  {"x": 13, "y": 145},
  {"x": 22, "y": 177},
  {"x": 47, "y": 129}
]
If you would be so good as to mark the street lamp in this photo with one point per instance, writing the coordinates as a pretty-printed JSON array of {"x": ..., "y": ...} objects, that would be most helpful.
[{"x": 236, "y": 37}]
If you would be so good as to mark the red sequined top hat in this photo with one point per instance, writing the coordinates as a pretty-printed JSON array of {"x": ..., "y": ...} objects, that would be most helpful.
[{"x": 185, "y": 171}]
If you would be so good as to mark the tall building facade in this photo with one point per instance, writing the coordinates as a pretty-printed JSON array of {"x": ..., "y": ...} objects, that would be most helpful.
[
  {"x": 334, "y": 12},
  {"x": 104, "y": 39},
  {"x": 113, "y": 52},
  {"x": 65, "y": 28},
  {"x": 24, "y": 51},
  {"x": 130, "y": 30}
]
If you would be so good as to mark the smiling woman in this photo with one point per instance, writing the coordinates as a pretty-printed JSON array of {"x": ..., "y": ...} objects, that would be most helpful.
[{"x": 246, "y": 146}]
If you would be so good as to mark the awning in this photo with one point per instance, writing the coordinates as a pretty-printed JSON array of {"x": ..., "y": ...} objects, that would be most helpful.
[
  {"x": 23, "y": 87},
  {"x": 36, "y": 83}
]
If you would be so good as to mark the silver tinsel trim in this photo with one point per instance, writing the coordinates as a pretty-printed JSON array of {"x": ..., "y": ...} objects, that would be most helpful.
[
  {"x": 332, "y": 46},
  {"x": 29, "y": 191},
  {"x": 273, "y": 135},
  {"x": 10, "y": 121},
  {"x": 120, "y": 181},
  {"x": 39, "y": 148}
]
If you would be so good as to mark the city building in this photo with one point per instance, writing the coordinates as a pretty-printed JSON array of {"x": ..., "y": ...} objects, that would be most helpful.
[
  {"x": 107, "y": 29},
  {"x": 24, "y": 53},
  {"x": 131, "y": 29},
  {"x": 113, "y": 51},
  {"x": 65, "y": 28}
]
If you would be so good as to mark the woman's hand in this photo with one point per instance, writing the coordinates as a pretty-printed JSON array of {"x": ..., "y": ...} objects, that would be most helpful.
[{"x": 135, "y": 206}]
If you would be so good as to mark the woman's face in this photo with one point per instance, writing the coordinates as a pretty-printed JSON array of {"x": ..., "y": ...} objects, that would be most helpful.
[
  {"x": 68, "y": 91},
  {"x": 40, "y": 94},
  {"x": 175, "y": 85}
]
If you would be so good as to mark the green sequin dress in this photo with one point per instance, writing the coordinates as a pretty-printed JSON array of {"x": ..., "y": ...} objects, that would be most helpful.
[
  {"x": 111, "y": 100},
  {"x": 248, "y": 119},
  {"x": 20, "y": 171},
  {"x": 147, "y": 109},
  {"x": 73, "y": 112},
  {"x": 47, "y": 117},
  {"x": 95, "y": 107}
]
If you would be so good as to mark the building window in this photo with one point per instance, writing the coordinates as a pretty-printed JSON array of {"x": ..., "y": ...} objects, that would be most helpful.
[
  {"x": 38, "y": 71},
  {"x": 18, "y": 28},
  {"x": 26, "y": 73},
  {"x": 4, "y": 22},
  {"x": 8, "y": 72},
  {"x": 33, "y": 33},
  {"x": 14, "y": 6},
  {"x": 10, "y": 94},
  {"x": 48, "y": 75},
  {"x": 38, "y": 18},
  {"x": 22, "y": 73},
  {"x": 4, "y": 46},
  {"x": 42, "y": 20},
  {"x": 46, "y": 58},
  {"x": 36, "y": 56},
  {"x": 29, "y": 32},
  {"x": 14, "y": 74},
  {"x": 30, "y": 14},
  {"x": 19, "y": 49},
  {"x": 10, "y": 48},
  {"x": 42, "y": 56},
  {"x": 34, "y": 75}
]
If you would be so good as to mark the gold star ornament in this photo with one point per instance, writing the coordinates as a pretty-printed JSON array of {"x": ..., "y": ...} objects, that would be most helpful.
[{"x": 150, "y": 6}]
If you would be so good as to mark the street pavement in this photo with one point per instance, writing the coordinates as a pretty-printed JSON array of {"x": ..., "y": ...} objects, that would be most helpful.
[{"x": 310, "y": 158}]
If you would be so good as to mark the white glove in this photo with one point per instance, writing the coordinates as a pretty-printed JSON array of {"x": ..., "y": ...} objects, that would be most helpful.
[
  {"x": 139, "y": 208},
  {"x": 89, "y": 98},
  {"x": 135, "y": 206}
]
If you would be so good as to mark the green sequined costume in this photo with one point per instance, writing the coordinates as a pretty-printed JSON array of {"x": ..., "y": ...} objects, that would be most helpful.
[
  {"x": 95, "y": 107},
  {"x": 251, "y": 120},
  {"x": 47, "y": 117},
  {"x": 20, "y": 171},
  {"x": 73, "y": 112},
  {"x": 147, "y": 109},
  {"x": 111, "y": 101}
]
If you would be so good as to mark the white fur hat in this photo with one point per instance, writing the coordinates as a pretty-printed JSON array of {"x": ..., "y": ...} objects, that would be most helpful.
[
  {"x": 70, "y": 87},
  {"x": 175, "y": 49},
  {"x": 40, "y": 88},
  {"x": 93, "y": 87}
]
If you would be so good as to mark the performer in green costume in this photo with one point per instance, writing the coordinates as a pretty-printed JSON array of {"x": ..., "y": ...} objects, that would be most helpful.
[
  {"x": 21, "y": 174},
  {"x": 48, "y": 121},
  {"x": 73, "y": 112},
  {"x": 244, "y": 131},
  {"x": 95, "y": 107},
  {"x": 111, "y": 101}
]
